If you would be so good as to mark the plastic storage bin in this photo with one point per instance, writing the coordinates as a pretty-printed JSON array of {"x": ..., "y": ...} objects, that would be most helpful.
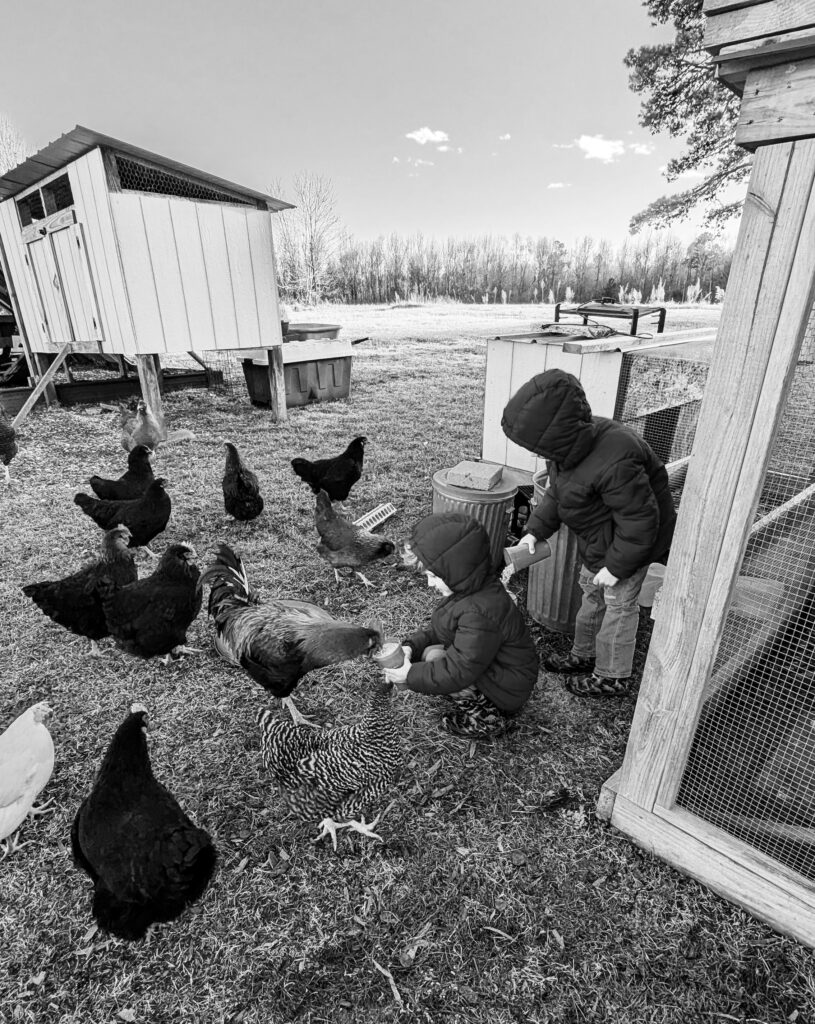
[{"x": 491, "y": 508}]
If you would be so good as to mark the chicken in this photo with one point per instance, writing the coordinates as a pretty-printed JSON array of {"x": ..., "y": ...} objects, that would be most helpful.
[
  {"x": 336, "y": 773},
  {"x": 145, "y": 517},
  {"x": 342, "y": 544},
  {"x": 8, "y": 442},
  {"x": 146, "y": 859},
  {"x": 281, "y": 640},
  {"x": 75, "y": 602},
  {"x": 151, "y": 617},
  {"x": 144, "y": 427},
  {"x": 240, "y": 486},
  {"x": 131, "y": 484},
  {"x": 26, "y": 763},
  {"x": 334, "y": 476}
]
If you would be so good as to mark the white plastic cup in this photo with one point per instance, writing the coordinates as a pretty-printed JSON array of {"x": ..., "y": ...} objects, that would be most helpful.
[{"x": 519, "y": 556}]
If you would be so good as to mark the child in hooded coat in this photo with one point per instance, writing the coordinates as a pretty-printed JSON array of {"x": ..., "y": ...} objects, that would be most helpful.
[
  {"x": 607, "y": 485},
  {"x": 478, "y": 649}
]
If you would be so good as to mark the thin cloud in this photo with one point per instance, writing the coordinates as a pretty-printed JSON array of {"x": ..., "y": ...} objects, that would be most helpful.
[
  {"x": 641, "y": 148},
  {"x": 563, "y": 145},
  {"x": 504, "y": 138},
  {"x": 395, "y": 160},
  {"x": 425, "y": 135},
  {"x": 595, "y": 147},
  {"x": 444, "y": 149},
  {"x": 559, "y": 184},
  {"x": 423, "y": 163}
]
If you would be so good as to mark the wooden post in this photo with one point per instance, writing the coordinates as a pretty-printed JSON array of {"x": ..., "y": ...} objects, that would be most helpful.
[
  {"x": 49, "y": 392},
  {"x": 277, "y": 383},
  {"x": 42, "y": 385},
  {"x": 150, "y": 388}
]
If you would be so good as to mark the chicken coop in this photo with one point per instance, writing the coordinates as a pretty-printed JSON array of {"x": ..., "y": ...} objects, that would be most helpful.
[
  {"x": 113, "y": 250},
  {"x": 719, "y": 772}
]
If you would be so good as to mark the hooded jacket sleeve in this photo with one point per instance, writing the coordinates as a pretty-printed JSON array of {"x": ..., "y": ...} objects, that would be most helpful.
[
  {"x": 476, "y": 642},
  {"x": 544, "y": 520},
  {"x": 419, "y": 640},
  {"x": 627, "y": 492}
]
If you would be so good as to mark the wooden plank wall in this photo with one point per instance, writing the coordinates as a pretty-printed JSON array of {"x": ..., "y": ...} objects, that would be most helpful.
[
  {"x": 511, "y": 364},
  {"x": 198, "y": 275},
  {"x": 726, "y": 26},
  {"x": 24, "y": 284}
]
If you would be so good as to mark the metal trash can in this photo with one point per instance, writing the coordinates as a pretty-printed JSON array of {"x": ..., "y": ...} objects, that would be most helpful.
[
  {"x": 491, "y": 508},
  {"x": 553, "y": 594}
]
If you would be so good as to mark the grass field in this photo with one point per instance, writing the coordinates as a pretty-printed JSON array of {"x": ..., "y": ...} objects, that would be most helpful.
[{"x": 481, "y": 905}]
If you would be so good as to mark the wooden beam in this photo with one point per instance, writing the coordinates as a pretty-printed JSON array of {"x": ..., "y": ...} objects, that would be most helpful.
[
  {"x": 766, "y": 310},
  {"x": 757, "y": 21},
  {"x": 42, "y": 384},
  {"x": 41, "y": 363},
  {"x": 720, "y": 6},
  {"x": 778, "y": 105},
  {"x": 277, "y": 383},
  {"x": 150, "y": 388},
  {"x": 734, "y": 63}
]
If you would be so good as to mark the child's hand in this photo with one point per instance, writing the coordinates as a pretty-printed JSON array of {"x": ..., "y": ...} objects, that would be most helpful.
[
  {"x": 530, "y": 542},
  {"x": 604, "y": 578},
  {"x": 398, "y": 676}
]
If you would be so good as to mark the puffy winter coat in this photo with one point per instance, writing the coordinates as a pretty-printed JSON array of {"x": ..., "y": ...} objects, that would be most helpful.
[
  {"x": 486, "y": 638},
  {"x": 605, "y": 482}
]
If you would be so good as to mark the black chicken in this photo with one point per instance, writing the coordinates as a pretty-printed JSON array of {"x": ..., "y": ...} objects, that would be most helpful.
[
  {"x": 146, "y": 859},
  {"x": 8, "y": 442},
  {"x": 151, "y": 617},
  {"x": 241, "y": 490},
  {"x": 334, "y": 476},
  {"x": 345, "y": 545},
  {"x": 340, "y": 772},
  {"x": 145, "y": 517},
  {"x": 279, "y": 641},
  {"x": 131, "y": 484},
  {"x": 76, "y": 601}
]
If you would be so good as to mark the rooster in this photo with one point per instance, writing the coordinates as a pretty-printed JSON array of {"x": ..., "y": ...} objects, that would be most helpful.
[
  {"x": 334, "y": 476},
  {"x": 280, "y": 640},
  {"x": 131, "y": 484},
  {"x": 344, "y": 545},
  {"x": 75, "y": 602},
  {"x": 145, "y": 517},
  {"x": 146, "y": 859},
  {"x": 338, "y": 772},
  {"x": 8, "y": 442},
  {"x": 242, "y": 498}
]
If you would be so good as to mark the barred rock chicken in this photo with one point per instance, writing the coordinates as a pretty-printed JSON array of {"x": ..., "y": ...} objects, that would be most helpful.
[
  {"x": 146, "y": 859},
  {"x": 131, "y": 484},
  {"x": 334, "y": 476},
  {"x": 242, "y": 498},
  {"x": 279, "y": 641},
  {"x": 336, "y": 773},
  {"x": 8, "y": 442},
  {"x": 151, "y": 617},
  {"x": 26, "y": 763},
  {"x": 75, "y": 602},
  {"x": 342, "y": 544},
  {"x": 145, "y": 517},
  {"x": 141, "y": 427}
]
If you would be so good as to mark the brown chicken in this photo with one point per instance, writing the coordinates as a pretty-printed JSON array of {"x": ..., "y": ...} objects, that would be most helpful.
[
  {"x": 278, "y": 641},
  {"x": 8, "y": 442},
  {"x": 334, "y": 476},
  {"x": 142, "y": 427},
  {"x": 344, "y": 545}
]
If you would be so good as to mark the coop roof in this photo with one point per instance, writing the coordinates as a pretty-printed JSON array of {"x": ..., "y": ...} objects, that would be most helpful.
[{"x": 79, "y": 141}]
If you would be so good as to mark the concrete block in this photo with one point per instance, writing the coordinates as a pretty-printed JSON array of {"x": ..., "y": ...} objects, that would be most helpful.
[{"x": 478, "y": 476}]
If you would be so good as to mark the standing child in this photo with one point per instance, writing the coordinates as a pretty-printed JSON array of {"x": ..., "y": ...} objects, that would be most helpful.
[
  {"x": 477, "y": 650},
  {"x": 610, "y": 489}
]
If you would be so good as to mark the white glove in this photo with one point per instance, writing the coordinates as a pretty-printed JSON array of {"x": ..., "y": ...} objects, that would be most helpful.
[
  {"x": 530, "y": 540},
  {"x": 604, "y": 578}
]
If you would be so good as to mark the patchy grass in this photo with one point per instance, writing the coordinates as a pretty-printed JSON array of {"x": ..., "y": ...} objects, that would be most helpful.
[{"x": 482, "y": 905}]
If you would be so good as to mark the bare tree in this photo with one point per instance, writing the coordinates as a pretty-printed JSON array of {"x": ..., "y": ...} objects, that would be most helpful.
[
  {"x": 308, "y": 236},
  {"x": 13, "y": 147}
]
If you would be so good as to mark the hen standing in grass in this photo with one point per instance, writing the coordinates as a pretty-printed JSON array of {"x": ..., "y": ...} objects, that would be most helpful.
[
  {"x": 145, "y": 517},
  {"x": 131, "y": 484},
  {"x": 8, "y": 442},
  {"x": 344, "y": 545},
  {"x": 76, "y": 601},
  {"x": 334, "y": 476},
  {"x": 143, "y": 427},
  {"x": 240, "y": 486},
  {"x": 146, "y": 859},
  {"x": 337, "y": 773},
  {"x": 151, "y": 617},
  {"x": 26, "y": 763},
  {"x": 279, "y": 641}
]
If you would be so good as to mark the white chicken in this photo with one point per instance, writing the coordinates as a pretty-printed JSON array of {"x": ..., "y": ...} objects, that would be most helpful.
[{"x": 26, "y": 763}]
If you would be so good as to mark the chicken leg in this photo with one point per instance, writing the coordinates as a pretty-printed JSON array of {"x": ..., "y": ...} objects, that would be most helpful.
[
  {"x": 297, "y": 717},
  {"x": 329, "y": 827},
  {"x": 8, "y": 475}
]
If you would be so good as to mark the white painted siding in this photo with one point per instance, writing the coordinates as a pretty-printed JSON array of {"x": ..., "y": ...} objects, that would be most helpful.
[
  {"x": 77, "y": 287},
  {"x": 22, "y": 280}
]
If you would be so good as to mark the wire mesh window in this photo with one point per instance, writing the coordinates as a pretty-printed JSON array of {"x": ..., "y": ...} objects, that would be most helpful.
[
  {"x": 57, "y": 195},
  {"x": 30, "y": 209},
  {"x": 138, "y": 177},
  {"x": 751, "y": 769}
]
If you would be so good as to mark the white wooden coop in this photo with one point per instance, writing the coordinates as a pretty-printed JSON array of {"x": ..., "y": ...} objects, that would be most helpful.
[
  {"x": 112, "y": 249},
  {"x": 719, "y": 773}
]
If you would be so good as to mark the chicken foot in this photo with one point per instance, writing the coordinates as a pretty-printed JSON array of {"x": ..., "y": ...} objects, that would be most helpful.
[
  {"x": 8, "y": 475},
  {"x": 297, "y": 716},
  {"x": 329, "y": 827}
]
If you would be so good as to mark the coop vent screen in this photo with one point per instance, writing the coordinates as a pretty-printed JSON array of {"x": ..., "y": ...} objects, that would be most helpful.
[
  {"x": 751, "y": 767},
  {"x": 135, "y": 176}
]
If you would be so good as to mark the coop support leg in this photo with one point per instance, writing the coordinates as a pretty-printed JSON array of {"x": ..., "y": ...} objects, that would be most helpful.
[
  {"x": 277, "y": 383},
  {"x": 150, "y": 386}
]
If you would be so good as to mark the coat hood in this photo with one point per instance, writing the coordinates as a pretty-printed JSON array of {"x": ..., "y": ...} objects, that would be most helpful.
[
  {"x": 456, "y": 548},
  {"x": 551, "y": 417}
]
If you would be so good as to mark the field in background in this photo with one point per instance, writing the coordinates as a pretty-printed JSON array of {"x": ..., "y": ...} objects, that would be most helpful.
[{"x": 485, "y": 904}]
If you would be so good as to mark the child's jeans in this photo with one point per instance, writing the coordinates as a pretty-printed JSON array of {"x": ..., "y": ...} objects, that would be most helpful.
[
  {"x": 474, "y": 715},
  {"x": 606, "y": 625}
]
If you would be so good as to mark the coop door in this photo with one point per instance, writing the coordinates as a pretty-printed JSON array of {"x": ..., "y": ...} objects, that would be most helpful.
[
  {"x": 43, "y": 266},
  {"x": 61, "y": 261}
]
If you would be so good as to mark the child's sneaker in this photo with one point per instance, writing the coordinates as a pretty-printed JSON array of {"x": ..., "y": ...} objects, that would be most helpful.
[
  {"x": 567, "y": 663},
  {"x": 598, "y": 686}
]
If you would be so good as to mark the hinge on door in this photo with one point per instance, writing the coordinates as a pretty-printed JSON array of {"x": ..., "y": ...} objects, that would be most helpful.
[
  {"x": 78, "y": 245},
  {"x": 95, "y": 324}
]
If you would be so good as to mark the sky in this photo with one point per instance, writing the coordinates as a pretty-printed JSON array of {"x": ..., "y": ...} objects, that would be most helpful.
[{"x": 449, "y": 117}]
